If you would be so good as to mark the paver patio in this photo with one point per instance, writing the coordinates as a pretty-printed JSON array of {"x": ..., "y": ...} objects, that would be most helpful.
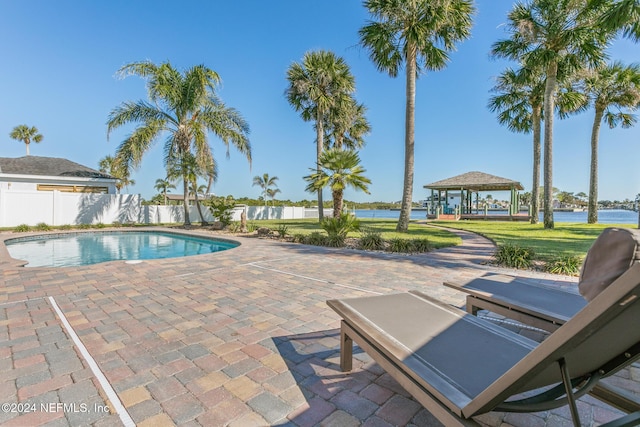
[{"x": 241, "y": 338}]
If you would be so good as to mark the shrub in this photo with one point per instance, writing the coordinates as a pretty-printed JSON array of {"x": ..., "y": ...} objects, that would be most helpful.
[
  {"x": 99, "y": 225},
  {"x": 22, "y": 228},
  {"x": 335, "y": 241},
  {"x": 299, "y": 238},
  {"x": 316, "y": 238},
  {"x": 116, "y": 224},
  {"x": 235, "y": 227},
  {"x": 400, "y": 245},
  {"x": 84, "y": 226},
  {"x": 565, "y": 264},
  {"x": 340, "y": 226},
  {"x": 66, "y": 227},
  {"x": 421, "y": 245},
  {"x": 371, "y": 240},
  {"x": 514, "y": 256},
  {"x": 282, "y": 230},
  {"x": 252, "y": 226},
  {"x": 42, "y": 226},
  {"x": 221, "y": 208}
]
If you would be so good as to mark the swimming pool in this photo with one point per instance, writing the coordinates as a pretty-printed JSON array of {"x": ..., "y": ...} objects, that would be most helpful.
[{"x": 84, "y": 248}]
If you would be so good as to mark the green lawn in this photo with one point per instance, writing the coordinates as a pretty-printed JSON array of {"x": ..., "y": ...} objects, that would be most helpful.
[
  {"x": 565, "y": 239},
  {"x": 439, "y": 238}
]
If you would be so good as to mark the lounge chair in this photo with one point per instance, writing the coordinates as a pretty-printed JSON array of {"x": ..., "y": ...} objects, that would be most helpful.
[
  {"x": 541, "y": 307},
  {"x": 613, "y": 252},
  {"x": 459, "y": 366}
]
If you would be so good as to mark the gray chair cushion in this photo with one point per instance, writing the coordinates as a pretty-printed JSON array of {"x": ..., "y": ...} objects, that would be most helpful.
[{"x": 613, "y": 252}]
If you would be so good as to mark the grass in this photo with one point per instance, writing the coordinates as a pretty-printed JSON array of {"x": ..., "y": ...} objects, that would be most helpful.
[
  {"x": 437, "y": 238},
  {"x": 565, "y": 240}
]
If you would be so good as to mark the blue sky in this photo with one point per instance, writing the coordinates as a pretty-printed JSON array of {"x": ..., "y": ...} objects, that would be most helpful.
[{"x": 58, "y": 73}]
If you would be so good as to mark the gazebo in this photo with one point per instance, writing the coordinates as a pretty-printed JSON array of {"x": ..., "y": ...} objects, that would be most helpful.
[{"x": 464, "y": 186}]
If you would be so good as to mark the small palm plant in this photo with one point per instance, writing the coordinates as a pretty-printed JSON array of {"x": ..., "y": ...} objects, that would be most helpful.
[{"x": 338, "y": 169}]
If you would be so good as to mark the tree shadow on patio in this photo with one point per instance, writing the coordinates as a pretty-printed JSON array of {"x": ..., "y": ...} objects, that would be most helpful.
[{"x": 328, "y": 396}]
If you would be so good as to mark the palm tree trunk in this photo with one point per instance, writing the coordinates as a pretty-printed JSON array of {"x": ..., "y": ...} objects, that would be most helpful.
[
  {"x": 165, "y": 196},
  {"x": 549, "y": 110},
  {"x": 187, "y": 221},
  {"x": 337, "y": 203},
  {"x": 27, "y": 145},
  {"x": 535, "y": 187},
  {"x": 409, "y": 142},
  {"x": 202, "y": 220},
  {"x": 319, "y": 149},
  {"x": 592, "y": 211}
]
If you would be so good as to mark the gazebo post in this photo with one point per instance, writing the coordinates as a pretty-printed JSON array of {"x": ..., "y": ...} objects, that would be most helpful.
[
  {"x": 446, "y": 200},
  {"x": 477, "y": 202},
  {"x": 431, "y": 203}
]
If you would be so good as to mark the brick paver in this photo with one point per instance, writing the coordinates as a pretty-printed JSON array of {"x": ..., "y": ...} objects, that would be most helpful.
[{"x": 241, "y": 338}]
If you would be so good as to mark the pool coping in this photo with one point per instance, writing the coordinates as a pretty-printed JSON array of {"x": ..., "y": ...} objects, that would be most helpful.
[{"x": 7, "y": 261}]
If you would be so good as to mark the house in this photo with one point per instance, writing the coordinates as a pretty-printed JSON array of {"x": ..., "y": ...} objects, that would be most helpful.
[{"x": 36, "y": 173}]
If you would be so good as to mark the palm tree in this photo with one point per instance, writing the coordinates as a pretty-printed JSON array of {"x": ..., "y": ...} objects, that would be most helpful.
[
  {"x": 187, "y": 168},
  {"x": 623, "y": 15},
  {"x": 544, "y": 34},
  {"x": 316, "y": 85},
  {"x": 614, "y": 86},
  {"x": 271, "y": 193},
  {"x": 185, "y": 107},
  {"x": 163, "y": 186},
  {"x": 417, "y": 34},
  {"x": 346, "y": 125},
  {"x": 519, "y": 107},
  {"x": 26, "y": 134},
  {"x": 519, "y": 101},
  {"x": 338, "y": 169},
  {"x": 265, "y": 182},
  {"x": 113, "y": 167}
]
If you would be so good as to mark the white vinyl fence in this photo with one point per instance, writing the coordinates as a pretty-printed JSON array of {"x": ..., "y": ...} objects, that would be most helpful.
[{"x": 57, "y": 208}]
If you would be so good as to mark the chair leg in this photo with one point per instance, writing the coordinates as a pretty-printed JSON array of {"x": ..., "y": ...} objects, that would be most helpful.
[
  {"x": 566, "y": 380},
  {"x": 346, "y": 349},
  {"x": 471, "y": 307}
]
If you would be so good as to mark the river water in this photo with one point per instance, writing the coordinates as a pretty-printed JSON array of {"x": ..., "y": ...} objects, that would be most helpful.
[{"x": 609, "y": 216}]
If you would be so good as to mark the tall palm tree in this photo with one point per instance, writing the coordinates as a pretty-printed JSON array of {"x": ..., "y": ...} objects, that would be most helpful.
[
  {"x": 26, "y": 134},
  {"x": 163, "y": 186},
  {"x": 318, "y": 83},
  {"x": 265, "y": 182},
  {"x": 519, "y": 101},
  {"x": 187, "y": 168},
  {"x": 545, "y": 33},
  {"x": 623, "y": 15},
  {"x": 417, "y": 34},
  {"x": 346, "y": 125},
  {"x": 184, "y": 107},
  {"x": 612, "y": 87},
  {"x": 338, "y": 169},
  {"x": 519, "y": 107},
  {"x": 111, "y": 165}
]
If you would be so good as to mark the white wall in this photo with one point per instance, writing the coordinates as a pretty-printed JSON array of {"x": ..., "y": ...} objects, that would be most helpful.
[
  {"x": 58, "y": 208},
  {"x": 15, "y": 182}
]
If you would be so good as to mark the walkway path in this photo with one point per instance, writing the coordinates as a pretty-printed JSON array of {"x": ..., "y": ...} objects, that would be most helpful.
[{"x": 240, "y": 338}]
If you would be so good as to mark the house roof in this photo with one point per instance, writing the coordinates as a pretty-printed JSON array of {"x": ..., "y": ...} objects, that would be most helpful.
[
  {"x": 49, "y": 166},
  {"x": 475, "y": 181}
]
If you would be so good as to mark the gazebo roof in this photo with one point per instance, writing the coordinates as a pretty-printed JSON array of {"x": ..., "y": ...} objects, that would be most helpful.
[{"x": 475, "y": 181}]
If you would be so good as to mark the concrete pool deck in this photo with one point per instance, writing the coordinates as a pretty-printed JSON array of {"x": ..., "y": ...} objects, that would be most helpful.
[{"x": 241, "y": 338}]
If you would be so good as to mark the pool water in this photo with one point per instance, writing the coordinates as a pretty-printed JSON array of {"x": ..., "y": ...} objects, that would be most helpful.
[{"x": 73, "y": 249}]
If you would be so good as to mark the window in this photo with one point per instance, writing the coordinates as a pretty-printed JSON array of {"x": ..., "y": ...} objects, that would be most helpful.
[{"x": 72, "y": 188}]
